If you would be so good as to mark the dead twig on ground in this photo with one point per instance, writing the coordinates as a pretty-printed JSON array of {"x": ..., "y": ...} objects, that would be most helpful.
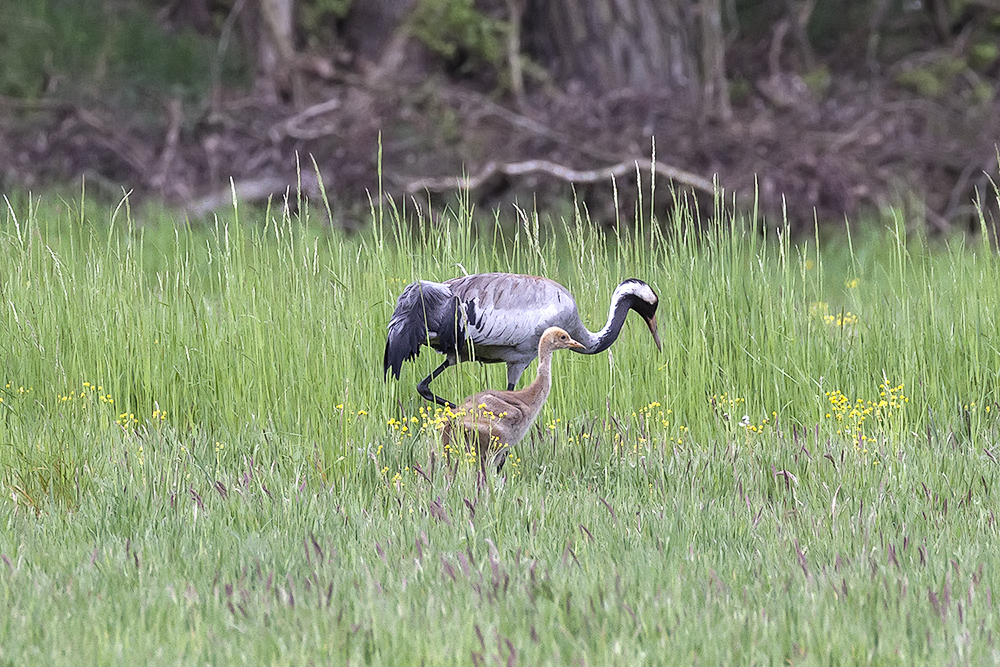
[
  {"x": 255, "y": 190},
  {"x": 561, "y": 172},
  {"x": 303, "y": 124}
]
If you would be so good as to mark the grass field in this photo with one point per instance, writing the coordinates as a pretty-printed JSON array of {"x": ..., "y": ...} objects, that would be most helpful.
[{"x": 200, "y": 461}]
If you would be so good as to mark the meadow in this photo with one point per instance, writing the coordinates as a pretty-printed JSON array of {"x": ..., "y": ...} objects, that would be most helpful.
[{"x": 201, "y": 462}]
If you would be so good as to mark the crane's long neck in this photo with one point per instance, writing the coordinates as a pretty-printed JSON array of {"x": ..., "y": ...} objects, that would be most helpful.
[
  {"x": 602, "y": 340},
  {"x": 536, "y": 392}
]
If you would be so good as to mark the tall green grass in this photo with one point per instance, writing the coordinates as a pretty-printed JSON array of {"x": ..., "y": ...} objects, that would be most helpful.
[{"x": 201, "y": 460}]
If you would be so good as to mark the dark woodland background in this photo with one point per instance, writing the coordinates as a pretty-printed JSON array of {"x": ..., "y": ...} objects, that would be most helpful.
[{"x": 821, "y": 108}]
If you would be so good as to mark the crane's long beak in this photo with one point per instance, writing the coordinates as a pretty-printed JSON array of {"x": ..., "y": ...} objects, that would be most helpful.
[{"x": 651, "y": 323}]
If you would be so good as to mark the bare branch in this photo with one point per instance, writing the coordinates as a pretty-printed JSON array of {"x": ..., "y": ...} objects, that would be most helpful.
[{"x": 557, "y": 171}]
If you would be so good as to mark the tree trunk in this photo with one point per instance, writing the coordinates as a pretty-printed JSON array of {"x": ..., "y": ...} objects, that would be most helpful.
[
  {"x": 277, "y": 75},
  {"x": 715, "y": 97},
  {"x": 604, "y": 45}
]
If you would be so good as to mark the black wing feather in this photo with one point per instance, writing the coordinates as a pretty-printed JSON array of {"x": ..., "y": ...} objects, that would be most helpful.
[{"x": 426, "y": 313}]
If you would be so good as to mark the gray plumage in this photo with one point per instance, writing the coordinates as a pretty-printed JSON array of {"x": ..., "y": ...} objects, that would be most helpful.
[{"x": 500, "y": 317}]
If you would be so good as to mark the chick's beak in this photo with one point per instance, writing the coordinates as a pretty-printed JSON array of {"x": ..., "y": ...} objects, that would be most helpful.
[
  {"x": 575, "y": 344},
  {"x": 651, "y": 323}
]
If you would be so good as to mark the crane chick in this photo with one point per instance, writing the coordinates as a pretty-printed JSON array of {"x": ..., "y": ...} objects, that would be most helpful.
[
  {"x": 499, "y": 317},
  {"x": 492, "y": 420}
]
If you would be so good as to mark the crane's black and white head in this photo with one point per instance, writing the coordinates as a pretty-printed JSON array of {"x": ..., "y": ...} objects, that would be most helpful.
[{"x": 641, "y": 298}]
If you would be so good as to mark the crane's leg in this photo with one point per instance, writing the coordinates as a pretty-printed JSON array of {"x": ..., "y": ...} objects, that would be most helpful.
[
  {"x": 500, "y": 458},
  {"x": 514, "y": 371},
  {"x": 424, "y": 388}
]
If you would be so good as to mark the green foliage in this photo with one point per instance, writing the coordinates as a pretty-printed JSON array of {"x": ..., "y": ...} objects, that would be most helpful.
[
  {"x": 40, "y": 38},
  {"x": 331, "y": 8},
  {"x": 457, "y": 30},
  {"x": 315, "y": 16},
  {"x": 935, "y": 78},
  {"x": 983, "y": 55},
  {"x": 200, "y": 461},
  {"x": 818, "y": 80},
  {"x": 89, "y": 47}
]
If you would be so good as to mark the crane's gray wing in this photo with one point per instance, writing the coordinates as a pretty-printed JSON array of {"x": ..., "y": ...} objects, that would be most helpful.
[
  {"x": 509, "y": 309},
  {"x": 426, "y": 313}
]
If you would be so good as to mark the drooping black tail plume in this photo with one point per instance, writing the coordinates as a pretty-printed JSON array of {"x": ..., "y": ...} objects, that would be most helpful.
[{"x": 426, "y": 313}]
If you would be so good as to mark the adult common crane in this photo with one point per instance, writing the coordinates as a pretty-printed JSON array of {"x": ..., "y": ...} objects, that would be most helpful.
[{"x": 500, "y": 317}]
